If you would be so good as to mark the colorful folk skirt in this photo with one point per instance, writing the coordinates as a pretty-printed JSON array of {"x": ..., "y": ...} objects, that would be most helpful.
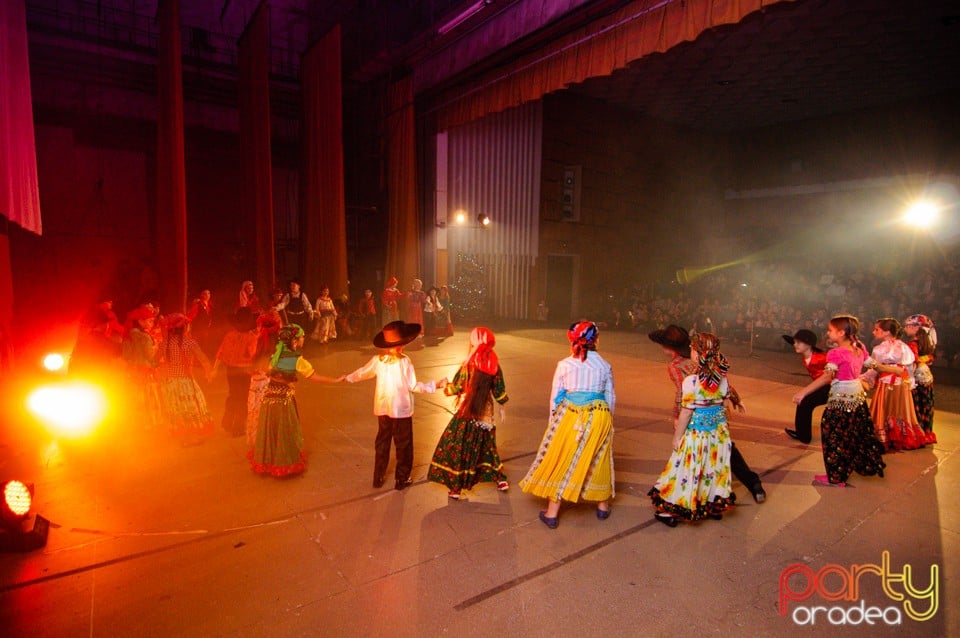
[
  {"x": 895, "y": 418},
  {"x": 185, "y": 407},
  {"x": 575, "y": 458},
  {"x": 848, "y": 435},
  {"x": 258, "y": 388},
  {"x": 279, "y": 448},
  {"x": 923, "y": 404},
  {"x": 466, "y": 454},
  {"x": 696, "y": 481}
]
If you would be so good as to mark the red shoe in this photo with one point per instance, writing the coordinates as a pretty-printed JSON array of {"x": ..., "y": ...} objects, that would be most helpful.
[{"x": 929, "y": 437}]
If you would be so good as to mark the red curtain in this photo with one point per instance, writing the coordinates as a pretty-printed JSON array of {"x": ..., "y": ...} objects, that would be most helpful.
[
  {"x": 323, "y": 225},
  {"x": 171, "y": 232},
  {"x": 403, "y": 231},
  {"x": 638, "y": 29},
  {"x": 19, "y": 194},
  {"x": 253, "y": 57}
]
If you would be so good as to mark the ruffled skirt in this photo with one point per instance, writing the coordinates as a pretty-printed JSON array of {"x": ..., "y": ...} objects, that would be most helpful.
[
  {"x": 847, "y": 437},
  {"x": 696, "y": 482},
  {"x": 894, "y": 417}
]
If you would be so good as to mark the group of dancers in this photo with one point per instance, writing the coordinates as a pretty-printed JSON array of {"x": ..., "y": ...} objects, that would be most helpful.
[
  {"x": 574, "y": 462},
  {"x": 857, "y": 431}
]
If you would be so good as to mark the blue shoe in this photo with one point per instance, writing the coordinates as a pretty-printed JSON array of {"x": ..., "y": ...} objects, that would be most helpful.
[
  {"x": 603, "y": 514},
  {"x": 552, "y": 523}
]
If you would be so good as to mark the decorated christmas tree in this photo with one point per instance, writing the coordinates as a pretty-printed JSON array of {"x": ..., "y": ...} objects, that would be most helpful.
[{"x": 469, "y": 292}]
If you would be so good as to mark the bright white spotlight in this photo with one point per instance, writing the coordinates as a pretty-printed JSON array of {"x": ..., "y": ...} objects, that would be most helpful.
[
  {"x": 54, "y": 362},
  {"x": 483, "y": 220},
  {"x": 68, "y": 409},
  {"x": 921, "y": 214}
]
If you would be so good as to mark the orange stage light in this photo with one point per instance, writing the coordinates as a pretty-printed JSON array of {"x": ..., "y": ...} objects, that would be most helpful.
[{"x": 70, "y": 409}]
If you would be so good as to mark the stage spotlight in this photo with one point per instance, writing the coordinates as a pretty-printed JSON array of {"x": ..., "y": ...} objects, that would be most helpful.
[
  {"x": 921, "y": 214},
  {"x": 483, "y": 220},
  {"x": 460, "y": 217},
  {"x": 54, "y": 362},
  {"x": 14, "y": 512}
]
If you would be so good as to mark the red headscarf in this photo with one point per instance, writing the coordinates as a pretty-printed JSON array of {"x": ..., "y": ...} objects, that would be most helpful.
[
  {"x": 482, "y": 356},
  {"x": 583, "y": 338}
]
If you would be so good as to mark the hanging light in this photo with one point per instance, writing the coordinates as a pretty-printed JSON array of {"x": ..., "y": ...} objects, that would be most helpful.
[{"x": 483, "y": 220}]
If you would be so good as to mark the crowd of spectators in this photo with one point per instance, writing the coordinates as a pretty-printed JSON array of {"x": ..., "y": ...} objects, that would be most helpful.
[{"x": 758, "y": 302}]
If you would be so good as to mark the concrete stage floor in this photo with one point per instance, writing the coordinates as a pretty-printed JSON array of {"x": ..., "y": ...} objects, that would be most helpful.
[{"x": 154, "y": 539}]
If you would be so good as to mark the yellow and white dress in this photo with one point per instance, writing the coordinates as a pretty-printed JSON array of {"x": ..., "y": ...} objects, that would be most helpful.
[
  {"x": 695, "y": 483},
  {"x": 575, "y": 458}
]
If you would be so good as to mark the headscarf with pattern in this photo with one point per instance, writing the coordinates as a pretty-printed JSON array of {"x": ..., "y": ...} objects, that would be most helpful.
[
  {"x": 713, "y": 365},
  {"x": 288, "y": 334},
  {"x": 925, "y": 323},
  {"x": 481, "y": 354},
  {"x": 583, "y": 338}
]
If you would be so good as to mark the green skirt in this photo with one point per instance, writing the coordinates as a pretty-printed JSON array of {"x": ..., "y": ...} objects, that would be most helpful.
[
  {"x": 278, "y": 449},
  {"x": 466, "y": 455}
]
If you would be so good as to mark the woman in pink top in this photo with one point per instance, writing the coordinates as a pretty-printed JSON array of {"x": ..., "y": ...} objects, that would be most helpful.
[{"x": 846, "y": 430}]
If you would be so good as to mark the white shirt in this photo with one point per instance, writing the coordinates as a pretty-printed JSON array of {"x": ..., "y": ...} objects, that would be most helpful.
[
  {"x": 396, "y": 383},
  {"x": 592, "y": 375}
]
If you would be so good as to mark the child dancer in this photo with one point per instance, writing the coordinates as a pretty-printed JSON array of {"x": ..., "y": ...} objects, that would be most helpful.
[
  {"x": 695, "y": 483},
  {"x": 894, "y": 417},
  {"x": 804, "y": 343},
  {"x": 393, "y": 399},
  {"x": 846, "y": 431},
  {"x": 467, "y": 451},
  {"x": 923, "y": 342}
]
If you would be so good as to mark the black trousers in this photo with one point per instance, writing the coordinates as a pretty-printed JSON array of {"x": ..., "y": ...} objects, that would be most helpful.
[
  {"x": 400, "y": 431},
  {"x": 803, "y": 417},
  {"x": 749, "y": 478},
  {"x": 235, "y": 407}
]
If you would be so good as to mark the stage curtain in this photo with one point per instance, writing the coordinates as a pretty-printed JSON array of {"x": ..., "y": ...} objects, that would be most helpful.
[
  {"x": 171, "y": 231},
  {"x": 403, "y": 231},
  {"x": 19, "y": 193},
  {"x": 253, "y": 56},
  {"x": 596, "y": 49},
  {"x": 323, "y": 224}
]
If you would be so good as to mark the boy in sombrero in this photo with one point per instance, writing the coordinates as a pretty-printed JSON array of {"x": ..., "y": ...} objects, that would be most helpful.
[
  {"x": 675, "y": 341},
  {"x": 393, "y": 398}
]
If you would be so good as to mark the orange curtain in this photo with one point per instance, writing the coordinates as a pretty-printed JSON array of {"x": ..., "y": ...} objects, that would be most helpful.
[
  {"x": 323, "y": 224},
  {"x": 403, "y": 231},
  {"x": 596, "y": 49},
  {"x": 253, "y": 56},
  {"x": 171, "y": 233}
]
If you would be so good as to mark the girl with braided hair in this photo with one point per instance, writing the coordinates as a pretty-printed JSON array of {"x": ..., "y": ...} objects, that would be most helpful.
[
  {"x": 278, "y": 449},
  {"x": 846, "y": 429},
  {"x": 575, "y": 459},
  {"x": 695, "y": 483},
  {"x": 466, "y": 453}
]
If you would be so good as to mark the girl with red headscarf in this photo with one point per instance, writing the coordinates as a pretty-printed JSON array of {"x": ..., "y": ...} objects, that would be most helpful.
[
  {"x": 575, "y": 460},
  {"x": 467, "y": 451}
]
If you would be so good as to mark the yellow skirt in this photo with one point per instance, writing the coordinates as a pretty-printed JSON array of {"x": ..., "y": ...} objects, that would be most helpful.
[{"x": 575, "y": 459}]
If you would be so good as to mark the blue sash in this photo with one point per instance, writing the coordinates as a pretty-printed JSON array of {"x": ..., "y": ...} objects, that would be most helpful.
[{"x": 580, "y": 397}]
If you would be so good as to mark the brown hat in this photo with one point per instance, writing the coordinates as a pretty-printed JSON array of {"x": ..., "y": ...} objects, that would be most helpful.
[
  {"x": 396, "y": 333},
  {"x": 673, "y": 337}
]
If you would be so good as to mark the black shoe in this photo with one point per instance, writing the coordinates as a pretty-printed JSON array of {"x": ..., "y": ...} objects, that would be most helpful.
[
  {"x": 793, "y": 434},
  {"x": 403, "y": 484},
  {"x": 378, "y": 481},
  {"x": 759, "y": 495},
  {"x": 666, "y": 519}
]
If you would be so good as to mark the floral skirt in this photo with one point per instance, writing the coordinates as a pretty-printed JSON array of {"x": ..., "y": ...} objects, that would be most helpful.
[
  {"x": 279, "y": 448},
  {"x": 185, "y": 407},
  {"x": 466, "y": 454},
  {"x": 575, "y": 459},
  {"x": 923, "y": 404},
  {"x": 848, "y": 441},
  {"x": 895, "y": 418},
  {"x": 696, "y": 480}
]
